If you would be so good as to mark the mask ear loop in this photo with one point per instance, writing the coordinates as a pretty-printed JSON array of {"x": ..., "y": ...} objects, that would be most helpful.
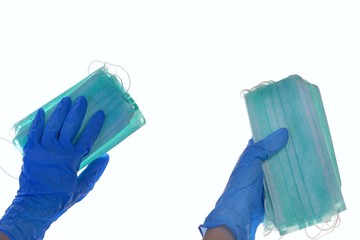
[
  {"x": 324, "y": 231},
  {"x": 261, "y": 84},
  {"x": 96, "y": 61},
  {"x": 117, "y": 76},
  {"x": 336, "y": 223},
  {"x": 1, "y": 168},
  {"x": 268, "y": 230},
  {"x": 12, "y": 134},
  {"x": 106, "y": 64}
]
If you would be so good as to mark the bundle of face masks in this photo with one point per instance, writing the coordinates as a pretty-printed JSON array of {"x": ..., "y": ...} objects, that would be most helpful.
[
  {"x": 103, "y": 91},
  {"x": 302, "y": 182}
]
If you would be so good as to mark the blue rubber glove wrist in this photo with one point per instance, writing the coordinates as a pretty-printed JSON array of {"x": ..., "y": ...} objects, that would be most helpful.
[
  {"x": 241, "y": 206},
  {"x": 27, "y": 218},
  {"x": 49, "y": 181}
]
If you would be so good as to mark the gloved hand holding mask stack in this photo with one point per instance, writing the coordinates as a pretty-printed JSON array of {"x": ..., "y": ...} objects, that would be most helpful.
[
  {"x": 49, "y": 184},
  {"x": 103, "y": 91},
  {"x": 60, "y": 139},
  {"x": 302, "y": 183}
]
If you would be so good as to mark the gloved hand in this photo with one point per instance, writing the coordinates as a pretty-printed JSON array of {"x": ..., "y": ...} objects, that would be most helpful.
[
  {"x": 49, "y": 183},
  {"x": 241, "y": 206}
]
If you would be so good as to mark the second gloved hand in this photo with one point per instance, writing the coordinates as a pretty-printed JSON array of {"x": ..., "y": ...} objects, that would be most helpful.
[
  {"x": 49, "y": 181},
  {"x": 241, "y": 206}
]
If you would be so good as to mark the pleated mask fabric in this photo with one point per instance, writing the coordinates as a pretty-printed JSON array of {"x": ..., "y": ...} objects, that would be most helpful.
[
  {"x": 103, "y": 91},
  {"x": 302, "y": 183}
]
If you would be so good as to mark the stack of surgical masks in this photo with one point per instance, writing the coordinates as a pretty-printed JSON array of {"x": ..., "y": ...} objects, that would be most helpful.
[
  {"x": 103, "y": 91},
  {"x": 302, "y": 182}
]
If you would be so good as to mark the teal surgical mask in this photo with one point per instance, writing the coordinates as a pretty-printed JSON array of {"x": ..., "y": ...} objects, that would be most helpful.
[
  {"x": 103, "y": 91},
  {"x": 302, "y": 182}
]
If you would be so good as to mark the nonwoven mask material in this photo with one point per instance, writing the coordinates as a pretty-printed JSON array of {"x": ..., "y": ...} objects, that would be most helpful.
[
  {"x": 103, "y": 91},
  {"x": 302, "y": 181}
]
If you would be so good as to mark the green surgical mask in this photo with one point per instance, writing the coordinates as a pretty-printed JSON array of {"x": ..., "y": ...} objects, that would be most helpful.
[
  {"x": 103, "y": 91},
  {"x": 302, "y": 182}
]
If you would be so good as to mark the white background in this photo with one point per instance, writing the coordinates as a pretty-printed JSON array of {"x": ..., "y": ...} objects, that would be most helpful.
[{"x": 188, "y": 61}]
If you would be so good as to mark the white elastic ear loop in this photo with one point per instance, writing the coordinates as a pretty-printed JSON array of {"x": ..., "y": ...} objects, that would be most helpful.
[
  {"x": 93, "y": 62},
  {"x": 264, "y": 83},
  {"x": 127, "y": 74},
  {"x": 269, "y": 230},
  {"x": 106, "y": 64},
  {"x": 2, "y": 138},
  {"x": 324, "y": 231}
]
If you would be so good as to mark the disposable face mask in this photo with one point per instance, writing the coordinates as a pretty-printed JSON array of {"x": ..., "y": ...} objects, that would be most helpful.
[
  {"x": 302, "y": 182},
  {"x": 103, "y": 91}
]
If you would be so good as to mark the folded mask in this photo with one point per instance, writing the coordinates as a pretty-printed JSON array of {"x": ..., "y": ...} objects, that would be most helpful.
[
  {"x": 302, "y": 182},
  {"x": 103, "y": 91}
]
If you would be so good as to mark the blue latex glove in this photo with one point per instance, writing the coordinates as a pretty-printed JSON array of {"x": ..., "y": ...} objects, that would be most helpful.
[
  {"x": 241, "y": 206},
  {"x": 49, "y": 183}
]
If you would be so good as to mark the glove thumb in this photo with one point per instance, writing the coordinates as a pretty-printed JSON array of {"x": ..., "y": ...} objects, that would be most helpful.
[
  {"x": 270, "y": 145},
  {"x": 91, "y": 175}
]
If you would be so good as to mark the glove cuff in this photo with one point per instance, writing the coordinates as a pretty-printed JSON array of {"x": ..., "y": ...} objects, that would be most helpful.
[
  {"x": 28, "y": 218},
  {"x": 240, "y": 223}
]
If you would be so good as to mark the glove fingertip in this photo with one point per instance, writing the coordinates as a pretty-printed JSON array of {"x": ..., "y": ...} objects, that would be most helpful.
[
  {"x": 280, "y": 137},
  {"x": 91, "y": 131},
  {"x": 273, "y": 143},
  {"x": 99, "y": 117},
  {"x": 36, "y": 129},
  {"x": 104, "y": 159},
  {"x": 94, "y": 170}
]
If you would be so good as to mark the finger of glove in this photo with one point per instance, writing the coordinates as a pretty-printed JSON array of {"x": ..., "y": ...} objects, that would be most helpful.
[
  {"x": 73, "y": 120},
  {"x": 55, "y": 122},
  {"x": 91, "y": 132},
  {"x": 91, "y": 175},
  {"x": 36, "y": 129},
  {"x": 271, "y": 144}
]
